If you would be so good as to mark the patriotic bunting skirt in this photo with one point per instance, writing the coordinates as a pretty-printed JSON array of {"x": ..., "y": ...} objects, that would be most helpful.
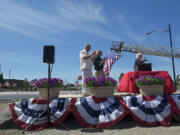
[
  {"x": 25, "y": 112},
  {"x": 97, "y": 112},
  {"x": 149, "y": 110}
]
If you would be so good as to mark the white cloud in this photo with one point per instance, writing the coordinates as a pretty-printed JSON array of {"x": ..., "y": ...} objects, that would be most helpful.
[
  {"x": 177, "y": 41},
  {"x": 86, "y": 16},
  {"x": 82, "y": 11},
  {"x": 125, "y": 22},
  {"x": 19, "y": 30},
  {"x": 9, "y": 56}
]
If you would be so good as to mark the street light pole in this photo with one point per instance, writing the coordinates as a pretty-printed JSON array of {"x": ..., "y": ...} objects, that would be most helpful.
[
  {"x": 170, "y": 39},
  {"x": 9, "y": 74}
]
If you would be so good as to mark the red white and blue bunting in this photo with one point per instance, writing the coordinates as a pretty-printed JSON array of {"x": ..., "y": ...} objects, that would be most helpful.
[
  {"x": 149, "y": 110},
  {"x": 175, "y": 101},
  {"x": 98, "y": 112},
  {"x": 26, "y": 112},
  {"x": 59, "y": 109}
]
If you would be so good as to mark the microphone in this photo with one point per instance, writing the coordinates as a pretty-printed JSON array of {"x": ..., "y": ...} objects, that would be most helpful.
[{"x": 145, "y": 58}]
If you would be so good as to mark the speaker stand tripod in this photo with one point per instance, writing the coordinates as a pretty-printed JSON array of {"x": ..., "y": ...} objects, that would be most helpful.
[{"x": 48, "y": 109}]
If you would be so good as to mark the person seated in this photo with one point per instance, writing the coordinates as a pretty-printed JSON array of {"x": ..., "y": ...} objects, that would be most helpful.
[
  {"x": 138, "y": 61},
  {"x": 99, "y": 64}
]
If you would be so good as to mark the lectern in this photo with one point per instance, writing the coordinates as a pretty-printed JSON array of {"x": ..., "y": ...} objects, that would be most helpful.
[{"x": 143, "y": 67}]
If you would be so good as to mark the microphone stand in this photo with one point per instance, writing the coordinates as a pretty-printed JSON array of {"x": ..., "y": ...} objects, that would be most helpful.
[{"x": 48, "y": 109}]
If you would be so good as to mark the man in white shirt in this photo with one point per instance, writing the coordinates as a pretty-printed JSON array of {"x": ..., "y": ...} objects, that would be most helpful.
[{"x": 86, "y": 62}]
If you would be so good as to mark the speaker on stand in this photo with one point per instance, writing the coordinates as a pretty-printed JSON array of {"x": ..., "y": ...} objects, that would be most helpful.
[
  {"x": 48, "y": 57},
  {"x": 48, "y": 54}
]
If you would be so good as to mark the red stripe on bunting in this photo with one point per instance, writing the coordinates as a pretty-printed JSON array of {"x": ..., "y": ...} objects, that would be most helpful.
[
  {"x": 99, "y": 100},
  {"x": 149, "y": 98},
  {"x": 40, "y": 101}
]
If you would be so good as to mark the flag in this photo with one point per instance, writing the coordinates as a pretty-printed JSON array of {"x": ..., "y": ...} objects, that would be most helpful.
[
  {"x": 111, "y": 59},
  {"x": 32, "y": 82},
  {"x": 6, "y": 84}
]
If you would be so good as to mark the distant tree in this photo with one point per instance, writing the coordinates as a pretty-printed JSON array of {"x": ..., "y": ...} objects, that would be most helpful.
[
  {"x": 1, "y": 78},
  {"x": 72, "y": 85},
  {"x": 26, "y": 84},
  {"x": 25, "y": 80}
]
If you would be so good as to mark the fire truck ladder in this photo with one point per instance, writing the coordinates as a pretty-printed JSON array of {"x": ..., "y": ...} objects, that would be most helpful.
[{"x": 119, "y": 46}]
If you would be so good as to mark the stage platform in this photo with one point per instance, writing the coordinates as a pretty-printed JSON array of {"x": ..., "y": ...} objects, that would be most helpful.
[
  {"x": 81, "y": 95},
  {"x": 93, "y": 112},
  {"x": 74, "y": 95}
]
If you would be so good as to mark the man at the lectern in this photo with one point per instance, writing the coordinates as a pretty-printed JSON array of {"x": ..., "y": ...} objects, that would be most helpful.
[{"x": 138, "y": 61}]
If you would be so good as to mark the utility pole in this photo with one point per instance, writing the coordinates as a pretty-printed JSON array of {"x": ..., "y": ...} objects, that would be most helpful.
[
  {"x": 9, "y": 74},
  {"x": 170, "y": 39}
]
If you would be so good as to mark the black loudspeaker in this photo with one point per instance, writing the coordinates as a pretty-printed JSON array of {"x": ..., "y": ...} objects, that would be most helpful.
[{"x": 48, "y": 54}]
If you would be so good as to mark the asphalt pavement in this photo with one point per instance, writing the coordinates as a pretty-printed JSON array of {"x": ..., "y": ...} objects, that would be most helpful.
[
  {"x": 4, "y": 96},
  {"x": 19, "y": 95}
]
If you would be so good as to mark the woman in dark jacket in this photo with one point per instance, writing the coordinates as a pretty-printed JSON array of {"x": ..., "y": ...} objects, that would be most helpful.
[{"x": 138, "y": 61}]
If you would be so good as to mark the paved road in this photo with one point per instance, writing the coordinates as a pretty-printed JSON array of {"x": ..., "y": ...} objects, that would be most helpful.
[{"x": 25, "y": 95}]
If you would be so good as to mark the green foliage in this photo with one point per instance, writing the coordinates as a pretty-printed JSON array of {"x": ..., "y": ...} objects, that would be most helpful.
[{"x": 150, "y": 80}]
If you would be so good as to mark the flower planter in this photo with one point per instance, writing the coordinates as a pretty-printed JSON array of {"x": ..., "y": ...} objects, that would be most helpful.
[
  {"x": 53, "y": 91},
  {"x": 151, "y": 90},
  {"x": 104, "y": 91}
]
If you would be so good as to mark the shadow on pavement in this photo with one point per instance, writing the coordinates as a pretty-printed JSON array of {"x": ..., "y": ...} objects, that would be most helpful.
[
  {"x": 92, "y": 130},
  {"x": 72, "y": 124},
  {"x": 9, "y": 124}
]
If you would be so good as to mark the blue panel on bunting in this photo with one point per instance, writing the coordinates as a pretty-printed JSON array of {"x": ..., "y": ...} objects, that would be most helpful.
[
  {"x": 176, "y": 99},
  {"x": 57, "y": 105},
  {"x": 29, "y": 112},
  {"x": 150, "y": 112},
  {"x": 88, "y": 108},
  {"x": 59, "y": 108}
]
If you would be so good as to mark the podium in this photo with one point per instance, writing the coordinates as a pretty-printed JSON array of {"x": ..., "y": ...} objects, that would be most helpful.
[{"x": 144, "y": 67}]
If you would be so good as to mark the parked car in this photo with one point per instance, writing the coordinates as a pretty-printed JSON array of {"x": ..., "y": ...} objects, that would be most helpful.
[{"x": 1, "y": 90}]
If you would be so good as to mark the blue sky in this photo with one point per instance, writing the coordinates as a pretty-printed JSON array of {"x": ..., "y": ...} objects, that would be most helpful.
[{"x": 25, "y": 26}]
